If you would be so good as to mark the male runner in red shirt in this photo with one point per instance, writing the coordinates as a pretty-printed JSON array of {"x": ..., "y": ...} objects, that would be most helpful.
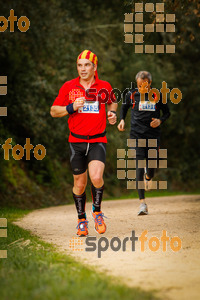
[{"x": 83, "y": 99}]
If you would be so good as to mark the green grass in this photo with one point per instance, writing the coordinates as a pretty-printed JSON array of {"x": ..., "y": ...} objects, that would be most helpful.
[
  {"x": 154, "y": 193},
  {"x": 35, "y": 271}
]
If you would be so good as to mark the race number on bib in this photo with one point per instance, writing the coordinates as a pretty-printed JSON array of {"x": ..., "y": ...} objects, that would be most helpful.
[
  {"x": 91, "y": 107},
  {"x": 147, "y": 106}
]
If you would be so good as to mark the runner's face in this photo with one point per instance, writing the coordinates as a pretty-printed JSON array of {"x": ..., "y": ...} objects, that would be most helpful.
[
  {"x": 86, "y": 69},
  {"x": 143, "y": 84}
]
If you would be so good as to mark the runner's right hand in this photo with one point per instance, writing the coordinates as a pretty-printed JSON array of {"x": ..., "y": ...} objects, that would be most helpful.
[
  {"x": 121, "y": 125},
  {"x": 79, "y": 102}
]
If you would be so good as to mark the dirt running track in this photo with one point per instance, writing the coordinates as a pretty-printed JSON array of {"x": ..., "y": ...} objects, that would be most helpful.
[{"x": 176, "y": 275}]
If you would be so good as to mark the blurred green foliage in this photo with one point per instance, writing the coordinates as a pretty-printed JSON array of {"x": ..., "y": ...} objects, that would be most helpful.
[{"x": 38, "y": 63}]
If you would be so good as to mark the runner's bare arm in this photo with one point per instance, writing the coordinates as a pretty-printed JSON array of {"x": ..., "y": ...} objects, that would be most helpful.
[
  {"x": 121, "y": 125},
  {"x": 58, "y": 111},
  {"x": 112, "y": 117}
]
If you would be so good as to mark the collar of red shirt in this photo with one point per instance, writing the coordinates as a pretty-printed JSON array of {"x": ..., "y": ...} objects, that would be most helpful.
[{"x": 77, "y": 81}]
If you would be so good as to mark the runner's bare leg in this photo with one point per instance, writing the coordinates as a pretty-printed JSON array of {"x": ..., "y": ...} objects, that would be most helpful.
[
  {"x": 96, "y": 169},
  {"x": 80, "y": 182}
]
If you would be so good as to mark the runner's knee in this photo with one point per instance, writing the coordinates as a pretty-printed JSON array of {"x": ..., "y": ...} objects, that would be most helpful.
[
  {"x": 96, "y": 180},
  {"x": 79, "y": 185}
]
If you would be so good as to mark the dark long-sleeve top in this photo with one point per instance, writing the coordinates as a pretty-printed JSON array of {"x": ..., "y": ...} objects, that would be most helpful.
[{"x": 142, "y": 113}]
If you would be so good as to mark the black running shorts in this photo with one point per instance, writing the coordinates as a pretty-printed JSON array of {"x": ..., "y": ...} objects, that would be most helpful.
[{"x": 82, "y": 153}]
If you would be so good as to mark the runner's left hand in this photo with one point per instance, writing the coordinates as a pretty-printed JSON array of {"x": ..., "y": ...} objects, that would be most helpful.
[
  {"x": 155, "y": 123},
  {"x": 112, "y": 117}
]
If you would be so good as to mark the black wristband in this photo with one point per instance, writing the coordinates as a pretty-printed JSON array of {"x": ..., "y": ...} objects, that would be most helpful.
[
  {"x": 113, "y": 112},
  {"x": 70, "y": 108}
]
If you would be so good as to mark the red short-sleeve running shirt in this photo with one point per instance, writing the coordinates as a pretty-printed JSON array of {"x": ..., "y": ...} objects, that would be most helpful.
[{"x": 91, "y": 119}]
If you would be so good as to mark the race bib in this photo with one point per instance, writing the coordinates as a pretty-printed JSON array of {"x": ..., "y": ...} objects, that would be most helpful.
[
  {"x": 147, "y": 106},
  {"x": 91, "y": 107}
]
